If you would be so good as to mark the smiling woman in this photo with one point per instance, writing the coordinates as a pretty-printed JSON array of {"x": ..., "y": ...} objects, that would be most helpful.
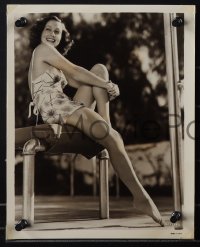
[
  {"x": 36, "y": 31},
  {"x": 49, "y": 37},
  {"x": 50, "y": 71}
]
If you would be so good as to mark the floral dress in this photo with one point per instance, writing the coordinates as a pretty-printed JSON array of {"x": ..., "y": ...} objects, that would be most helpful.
[{"x": 49, "y": 99}]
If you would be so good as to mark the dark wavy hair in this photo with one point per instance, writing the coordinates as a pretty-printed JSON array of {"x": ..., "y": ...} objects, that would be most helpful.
[{"x": 36, "y": 31}]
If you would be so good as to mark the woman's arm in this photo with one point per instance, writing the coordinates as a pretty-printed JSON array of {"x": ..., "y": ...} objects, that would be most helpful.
[{"x": 50, "y": 55}]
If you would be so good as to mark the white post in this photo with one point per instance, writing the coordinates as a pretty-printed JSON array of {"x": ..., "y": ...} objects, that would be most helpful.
[
  {"x": 30, "y": 149},
  {"x": 174, "y": 118},
  {"x": 117, "y": 186},
  {"x": 103, "y": 182},
  {"x": 72, "y": 164},
  {"x": 178, "y": 100},
  {"x": 94, "y": 169},
  {"x": 28, "y": 187}
]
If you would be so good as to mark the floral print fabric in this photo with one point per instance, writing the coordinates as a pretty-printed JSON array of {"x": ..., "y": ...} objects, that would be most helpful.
[{"x": 49, "y": 99}]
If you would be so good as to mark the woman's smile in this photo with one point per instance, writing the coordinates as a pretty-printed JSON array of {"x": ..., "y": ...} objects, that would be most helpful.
[
  {"x": 52, "y": 40},
  {"x": 52, "y": 33}
]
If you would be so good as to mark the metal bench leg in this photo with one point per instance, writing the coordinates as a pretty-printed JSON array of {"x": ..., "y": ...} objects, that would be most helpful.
[
  {"x": 94, "y": 170},
  {"x": 72, "y": 164},
  {"x": 103, "y": 182},
  {"x": 30, "y": 149},
  {"x": 28, "y": 187}
]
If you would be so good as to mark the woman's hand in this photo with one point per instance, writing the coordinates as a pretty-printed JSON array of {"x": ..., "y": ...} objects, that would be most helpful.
[{"x": 113, "y": 90}]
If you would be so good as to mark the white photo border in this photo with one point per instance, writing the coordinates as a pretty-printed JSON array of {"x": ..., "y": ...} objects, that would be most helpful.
[{"x": 16, "y": 11}]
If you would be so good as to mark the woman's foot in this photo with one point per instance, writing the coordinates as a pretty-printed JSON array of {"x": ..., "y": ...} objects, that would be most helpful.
[{"x": 147, "y": 206}]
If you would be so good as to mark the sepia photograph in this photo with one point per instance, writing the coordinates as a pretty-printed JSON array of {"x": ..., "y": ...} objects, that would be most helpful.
[{"x": 100, "y": 122}]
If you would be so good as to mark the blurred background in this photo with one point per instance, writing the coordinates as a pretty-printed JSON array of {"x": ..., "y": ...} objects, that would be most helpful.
[{"x": 131, "y": 45}]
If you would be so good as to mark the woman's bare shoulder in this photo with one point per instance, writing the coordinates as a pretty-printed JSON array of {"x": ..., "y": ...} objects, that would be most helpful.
[
  {"x": 41, "y": 50},
  {"x": 39, "y": 65},
  {"x": 46, "y": 52}
]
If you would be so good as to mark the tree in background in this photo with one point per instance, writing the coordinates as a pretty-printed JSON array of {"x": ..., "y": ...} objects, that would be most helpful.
[{"x": 131, "y": 45}]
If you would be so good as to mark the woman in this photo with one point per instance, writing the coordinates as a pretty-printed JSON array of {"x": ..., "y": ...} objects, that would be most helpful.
[{"x": 50, "y": 71}]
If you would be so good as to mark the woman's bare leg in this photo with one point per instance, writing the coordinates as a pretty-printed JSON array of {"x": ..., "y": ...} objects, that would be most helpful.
[
  {"x": 94, "y": 126},
  {"x": 92, "y": 96},
  {"x": 100, "y": 94}
]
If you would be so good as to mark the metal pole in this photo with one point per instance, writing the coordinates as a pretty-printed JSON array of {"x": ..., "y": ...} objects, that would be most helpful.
[
  {"x": 173, "y": 114},
  {"x": 178, "y": 105},
  {"x": 104, "y": 189},
  {"x": 72, "y": 163},
  {"x": 94, "y": 169},
  {"x": 28, "y": 187},
  {"x": 117, "y": 186},
  {"x": 30, "y": 149}
]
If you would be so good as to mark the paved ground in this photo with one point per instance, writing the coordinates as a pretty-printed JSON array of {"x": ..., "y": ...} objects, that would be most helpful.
[{"x": 63, "y": 212}]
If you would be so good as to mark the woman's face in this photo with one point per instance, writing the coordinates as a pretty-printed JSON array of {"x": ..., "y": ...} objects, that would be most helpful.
[{"x": 52, "y": 33}]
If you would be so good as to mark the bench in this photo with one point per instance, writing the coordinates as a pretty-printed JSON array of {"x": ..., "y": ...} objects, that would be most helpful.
[{"x": 54, "y": 139}]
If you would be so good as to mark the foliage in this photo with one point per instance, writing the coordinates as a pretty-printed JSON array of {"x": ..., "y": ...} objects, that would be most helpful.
[{"x": 131, "y": 45}]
